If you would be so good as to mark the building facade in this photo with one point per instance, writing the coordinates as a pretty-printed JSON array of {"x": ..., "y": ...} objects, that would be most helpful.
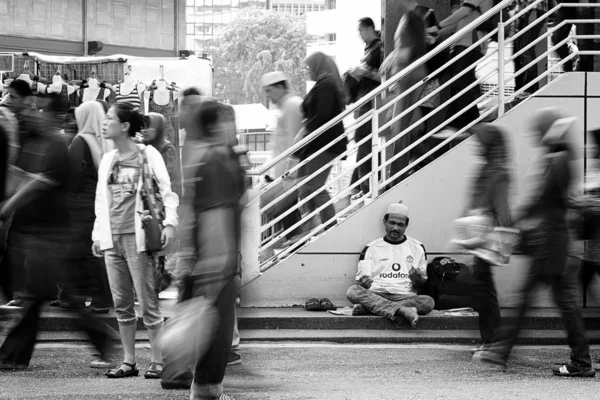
[
  {"x": 148, "y": 28},
  {"x": 205, "y": 18},
  {"x": 299, "y": 7}
]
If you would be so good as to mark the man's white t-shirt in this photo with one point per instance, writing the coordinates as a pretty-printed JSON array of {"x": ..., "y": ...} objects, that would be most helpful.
[{"x": 388, "y": 265}]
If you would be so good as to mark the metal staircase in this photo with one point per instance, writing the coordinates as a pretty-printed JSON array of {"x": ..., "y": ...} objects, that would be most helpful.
[{"x": 262, "y": 240}]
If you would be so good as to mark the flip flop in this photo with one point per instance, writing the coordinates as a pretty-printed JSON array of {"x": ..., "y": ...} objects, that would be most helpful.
[
  {"x": 313, "y": 305},
  {"x": 327, "y": 305}
]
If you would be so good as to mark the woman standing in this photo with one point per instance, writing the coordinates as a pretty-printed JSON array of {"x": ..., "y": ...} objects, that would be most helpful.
[
  {"x": 118, "y": 233},
  {"x": 325, "y": 101},
  {"x": 85, "y": 153},
  {"x": 489, "y": 196}
]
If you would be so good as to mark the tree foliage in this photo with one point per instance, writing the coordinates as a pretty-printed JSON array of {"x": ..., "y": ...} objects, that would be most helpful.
[{"x": 257, "y": 42}]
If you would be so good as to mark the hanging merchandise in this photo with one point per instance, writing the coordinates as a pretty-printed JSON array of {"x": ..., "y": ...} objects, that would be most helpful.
[
  {"x": 94, "y": 89},
  {"x": 161, "y": 100},
  {"x": 64, "y": 91},
  {"x": 129, "y": 91}
]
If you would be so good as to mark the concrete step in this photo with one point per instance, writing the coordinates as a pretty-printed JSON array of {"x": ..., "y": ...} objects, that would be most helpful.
[
  {"x": 463, "y": 336},
  {"x": 252, "y": 319}
]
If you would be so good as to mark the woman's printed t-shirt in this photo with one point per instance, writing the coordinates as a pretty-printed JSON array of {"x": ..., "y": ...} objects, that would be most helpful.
[
  {"x": 388, "y": 265},
  {"x": 123, "y": 184}
]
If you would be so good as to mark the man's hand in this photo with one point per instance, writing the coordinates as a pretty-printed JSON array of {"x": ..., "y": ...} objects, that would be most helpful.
[
  {"x": 96, "y": 249},
  {"x": 365, "y": 282},
  {"x": 415, "y": 277},
  {"x": 357, "y": 72},
  {"x": 433, "y": 30},
  {"x": 168, "y": 236}
]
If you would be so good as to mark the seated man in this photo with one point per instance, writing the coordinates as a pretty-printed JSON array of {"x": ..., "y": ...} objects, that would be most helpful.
[{"x": 390, "y": 271}]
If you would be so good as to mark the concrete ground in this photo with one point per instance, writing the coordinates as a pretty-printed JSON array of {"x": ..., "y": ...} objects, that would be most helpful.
[{"x": 320, "y": 371}]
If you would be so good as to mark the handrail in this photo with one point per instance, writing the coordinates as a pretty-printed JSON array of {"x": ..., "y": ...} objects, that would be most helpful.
[{"x": 382, "y": 88}]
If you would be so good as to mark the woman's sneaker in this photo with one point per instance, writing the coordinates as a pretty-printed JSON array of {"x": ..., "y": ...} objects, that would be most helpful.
[{"x": 234, "y": 358}]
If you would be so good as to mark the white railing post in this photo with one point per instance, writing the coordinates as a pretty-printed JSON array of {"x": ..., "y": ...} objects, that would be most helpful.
[
  {"x": 501, "y": 66},
  {"x": 374, "y": 150}
]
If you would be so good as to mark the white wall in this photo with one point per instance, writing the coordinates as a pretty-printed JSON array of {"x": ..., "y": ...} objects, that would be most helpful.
[{"x": 436, "y": 196}]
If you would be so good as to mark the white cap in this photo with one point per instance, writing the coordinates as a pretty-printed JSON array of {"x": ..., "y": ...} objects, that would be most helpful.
[
  {"x": 398, "y": 209},
  {"x": 274, "y": 77}
]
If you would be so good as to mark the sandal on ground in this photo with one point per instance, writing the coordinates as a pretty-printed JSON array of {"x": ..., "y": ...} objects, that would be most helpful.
[
  {"x": 313, "y": 305},
  {"x": 121, "y": 373},
  {"x": 326, "y": 305},
  {"x": 153, "y": 372},
  {"x": 570, "y": 370}
]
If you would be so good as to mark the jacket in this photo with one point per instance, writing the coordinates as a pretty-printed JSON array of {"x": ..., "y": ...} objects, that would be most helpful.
[{"x": 102, "y": 230}]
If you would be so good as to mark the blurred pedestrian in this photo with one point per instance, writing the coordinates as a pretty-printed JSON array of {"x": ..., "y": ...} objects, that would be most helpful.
[
  {"x": 489, "y": 196},
  {"x": 546, "y": 240},
  {"x": 214, "y": 184},
  {"x": 119, "y": 237},
  {"x": 465, "y": 60},
  {"x": 325, "y": 101},
  {"x": 587, "y": 246},
  {"x": 40, "y": 223},
  {"x": 409, "y": 46},
  {"x": 277, "y": 87}
]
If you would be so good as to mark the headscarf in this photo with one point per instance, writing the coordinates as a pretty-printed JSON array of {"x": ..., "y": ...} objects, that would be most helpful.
[
  {"x": 158, "y": 122},
  {"x": 90, "y": 117},
  {"x": 323, "y": 66},
  {"x": 494, "y": 151},
  {"x": 555, "y": 137}
]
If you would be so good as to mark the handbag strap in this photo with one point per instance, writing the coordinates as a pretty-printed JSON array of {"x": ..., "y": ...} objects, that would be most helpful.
[{"x": 149, "y": 187}]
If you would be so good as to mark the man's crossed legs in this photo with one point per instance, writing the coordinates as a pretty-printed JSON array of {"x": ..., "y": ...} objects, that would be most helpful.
[{"x": 388, "y": 305}]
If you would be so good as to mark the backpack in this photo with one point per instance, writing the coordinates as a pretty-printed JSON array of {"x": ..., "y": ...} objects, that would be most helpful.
[{"x": 450, "y": 284}]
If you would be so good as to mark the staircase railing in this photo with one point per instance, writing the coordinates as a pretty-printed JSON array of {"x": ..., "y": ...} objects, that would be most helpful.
[{"x": 382, "y": 142}]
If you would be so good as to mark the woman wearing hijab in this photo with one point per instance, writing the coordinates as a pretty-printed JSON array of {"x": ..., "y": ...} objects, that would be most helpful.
[
  {"x": 489, "y": 196},
  {"x": 154, "y": 135},
  {"x": 85, "y": 154},
  {"x": 325, "y": 101},
  {"x": 546, "y": 240}
]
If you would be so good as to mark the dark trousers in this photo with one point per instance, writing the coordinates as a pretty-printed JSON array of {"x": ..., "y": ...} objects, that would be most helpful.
[
  {"x": 404, "y": 123},
  {"x": 364, "y": 150},
  {"x": 486, "y": 300},
  {"x": 210, "y": 369},
  {"x": 565, "y": 290},
  {"x": 43, "y": 262},
  {"x": 463, "y": 63},
  {"x": 289, "y": 201},
  {"x": 588, "y": 270},
  {"x": 317, "y": 184},
  {"x": 85, "y": 274},
  {"x": 528, "y": 56}
]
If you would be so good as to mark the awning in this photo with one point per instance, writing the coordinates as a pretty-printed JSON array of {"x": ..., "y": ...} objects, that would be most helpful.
[{"x": 254, "y": 116}]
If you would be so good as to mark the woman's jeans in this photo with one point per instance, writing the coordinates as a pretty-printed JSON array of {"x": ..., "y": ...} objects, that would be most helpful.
[
  {"x": 317, "y": 184},
  {"x": 127, "y": 269}
]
